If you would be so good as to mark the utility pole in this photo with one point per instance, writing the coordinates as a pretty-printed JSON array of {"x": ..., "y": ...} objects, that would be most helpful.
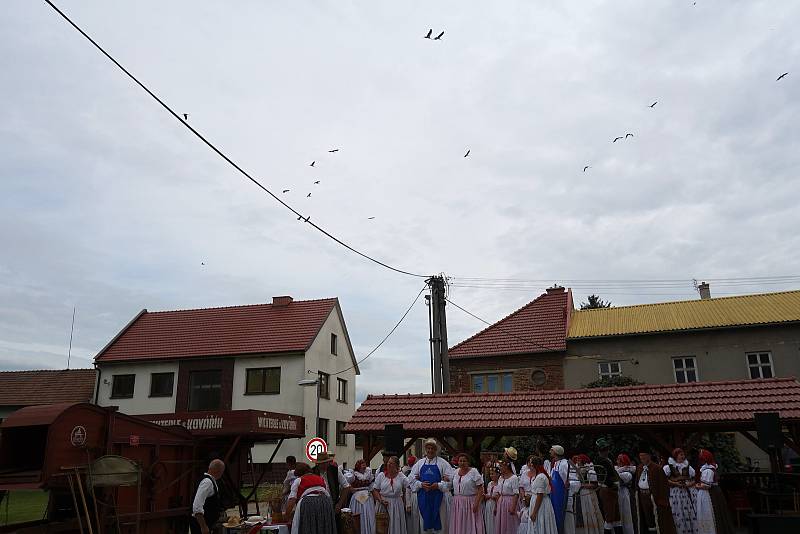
[{"x": 438, "y": 329}]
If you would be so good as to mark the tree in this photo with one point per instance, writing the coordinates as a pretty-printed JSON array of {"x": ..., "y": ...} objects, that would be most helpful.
[{"x": 594, "y": 302}]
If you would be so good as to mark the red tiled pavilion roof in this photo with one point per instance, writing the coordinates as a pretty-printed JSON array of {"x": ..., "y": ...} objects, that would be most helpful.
[
  {"x": 254, "y": 329},
  {"x": 30, "y": 388},
  {"x": 698, "y": 403},
  {"x": 539, "y": 326}
]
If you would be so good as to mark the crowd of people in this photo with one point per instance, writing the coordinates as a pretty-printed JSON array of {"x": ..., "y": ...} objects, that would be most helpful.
[{"x": 553, "y": 495}]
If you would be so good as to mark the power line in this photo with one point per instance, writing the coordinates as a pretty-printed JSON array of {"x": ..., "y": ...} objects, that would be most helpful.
[
  {"x": 497, "y": 325},
  {"x": 306, "y": 219},
  {"x": 387, "y": 335}
]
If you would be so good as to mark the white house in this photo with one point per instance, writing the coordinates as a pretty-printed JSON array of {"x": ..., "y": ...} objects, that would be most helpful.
[{"x": 215, "y": 362}]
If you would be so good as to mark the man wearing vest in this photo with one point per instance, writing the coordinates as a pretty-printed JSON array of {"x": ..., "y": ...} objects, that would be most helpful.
[
  {"x": 207, "y": 504},
  {"x": 337, "y": 485}
]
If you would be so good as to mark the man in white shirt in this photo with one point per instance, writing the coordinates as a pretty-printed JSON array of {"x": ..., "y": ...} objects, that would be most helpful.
[
  {"x": 207, "y": 504},
  {"x": 429, "y": 476}
]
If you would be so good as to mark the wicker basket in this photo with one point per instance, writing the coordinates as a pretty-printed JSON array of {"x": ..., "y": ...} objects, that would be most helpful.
[{"x": 381, "y": 523}]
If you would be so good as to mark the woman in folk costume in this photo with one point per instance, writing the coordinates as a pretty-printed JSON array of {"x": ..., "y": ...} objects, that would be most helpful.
[
  {"x": 588, "y": 517},
  {"x": 490, "y": 500},
  {"x": 712, "y": 511},
  {"x": 527, "y": 476},
  {"x": 362, "y": 503},
  {"x": 682, "y": 495},
  {"x": 506, "y": 518},
  {"x": 310, "y": 503},
  {"x": 558, "y": 469},
  {"x": 466, "y": 515},
  {"x": 625, "y": 471},
  {"x": 541, "y": 517},
  {"x": 413, "y": 521},
  {"x": 428, "y": 476},
  {"x": 389, "y": 492}
]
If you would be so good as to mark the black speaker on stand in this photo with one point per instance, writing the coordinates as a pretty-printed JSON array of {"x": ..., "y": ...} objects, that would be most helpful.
[{"x": 393, "y": 439}]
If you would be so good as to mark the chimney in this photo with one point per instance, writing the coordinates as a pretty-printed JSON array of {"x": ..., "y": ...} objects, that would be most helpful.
[
  {"x": 705, "y": 291},
  {"x": 555, "y": 290},
  {"x": 282, "y": 301}
]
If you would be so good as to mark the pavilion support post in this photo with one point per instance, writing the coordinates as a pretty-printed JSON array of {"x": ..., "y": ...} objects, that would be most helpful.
[
  {"x": 408, "y": 445},
  {"x": 366, "y": 447},
  {"x": 377, "y": 444},
  {"x": 461, "y": 442},
  {"x": 475, "y": 449}
]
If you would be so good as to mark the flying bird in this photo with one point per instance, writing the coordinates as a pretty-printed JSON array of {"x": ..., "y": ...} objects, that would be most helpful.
[
  {"x": 186, "y": 116},
  {"x": 438, "y": 37},
  {"x": 334, "y": 150},
  {"x": 202, "y": 263},
  {"x": 428, "y": 36},
  {"x": 370, "y": 218},
  {"x": 628, "y": 134},
  {"x": 617, "y": 139},
  {"x": 286, "y": 190},
  {"x": 467, "y": 154},
  {"x": 654, "y": 104},
  {"x": 782, "y": 76},
  {"x": 586, "y": 167},
  {"x": 317, "y": 182},
  {"x": 312, "y": 163},
  {"x": 308, "y": 195}
]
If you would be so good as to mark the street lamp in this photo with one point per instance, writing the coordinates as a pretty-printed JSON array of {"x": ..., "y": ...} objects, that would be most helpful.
[{"x": 306, "y": 382}]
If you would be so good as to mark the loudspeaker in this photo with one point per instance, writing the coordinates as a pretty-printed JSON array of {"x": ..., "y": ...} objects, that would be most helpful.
[
  {"x": 393, "y": 439},
  {"x": 768, "y": 426}
]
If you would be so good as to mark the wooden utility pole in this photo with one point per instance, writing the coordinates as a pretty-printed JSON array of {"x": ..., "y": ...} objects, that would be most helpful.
[{"x": 438, "y": 328}]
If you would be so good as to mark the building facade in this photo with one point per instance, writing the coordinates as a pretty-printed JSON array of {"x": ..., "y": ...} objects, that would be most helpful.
[
  {"x": 523, "y": 351},
  {"x": 712, "y": 339},
  {"x": 204, "y": 365}
]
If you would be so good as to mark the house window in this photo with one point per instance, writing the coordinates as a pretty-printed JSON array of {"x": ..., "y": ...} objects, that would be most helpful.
[
  {"x": 685, "y": 369},
  {"x": 538, "y": 378},
  {"x": 161, "y": 384},
  {"x": 205, "y": 390},
  {"x": 759, "y": 364},
  {"x": 493, "y": 383},
  {"x": 334, "y": 349},
  {"x": 324, "y": 385},
  {"x": 322, "y": 429},
  {"x": 122, "y": 386},
  {"x": 341, "y": 437},
  {"x": 263, "y": 381},
  {"x": 609, "y": 369},
  {"x": 341, "y": 393}
]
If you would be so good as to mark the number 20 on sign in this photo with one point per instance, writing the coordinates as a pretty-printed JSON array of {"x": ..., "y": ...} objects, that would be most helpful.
[{"x": 314, "y": 447}]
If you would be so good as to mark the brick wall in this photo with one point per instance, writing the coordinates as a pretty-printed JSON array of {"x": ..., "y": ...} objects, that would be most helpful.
[{"x": 521, "y": 366}]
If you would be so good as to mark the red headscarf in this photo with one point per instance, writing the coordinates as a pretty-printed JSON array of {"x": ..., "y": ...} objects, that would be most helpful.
[
  {"x": 623, "y": 460},
  {"x": 583, "y": 458},
  {"x": 411, "y": 460},
  {"x": 706, "y": 457}
]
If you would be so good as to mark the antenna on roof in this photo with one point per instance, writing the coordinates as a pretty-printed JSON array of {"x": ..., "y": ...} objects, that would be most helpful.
[{"x": 71, "y": 331}]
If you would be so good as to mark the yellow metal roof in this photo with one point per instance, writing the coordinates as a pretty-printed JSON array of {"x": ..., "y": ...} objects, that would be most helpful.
[{"x": 766, "y": 308}]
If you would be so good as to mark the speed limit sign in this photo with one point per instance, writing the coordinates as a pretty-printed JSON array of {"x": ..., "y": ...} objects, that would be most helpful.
[{"x": 314, "y": 447}]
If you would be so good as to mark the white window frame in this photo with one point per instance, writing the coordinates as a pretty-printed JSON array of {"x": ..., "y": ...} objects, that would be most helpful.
[
  {"x": 683, "y": 369},
  {"x": 759, "y": 365},
  {"x": 609, "y": 374}
]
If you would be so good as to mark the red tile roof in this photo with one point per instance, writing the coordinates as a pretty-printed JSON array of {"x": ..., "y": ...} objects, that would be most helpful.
[
  {"x": 254, "y": 329},
  {"x": 696, "y": 403},
  {"x": 539, "y": 326},
  {"x": 29, "y": 388}
]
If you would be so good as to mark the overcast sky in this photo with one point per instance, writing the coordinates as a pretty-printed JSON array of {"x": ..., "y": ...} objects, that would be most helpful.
[{"x": 108, "y": 204}]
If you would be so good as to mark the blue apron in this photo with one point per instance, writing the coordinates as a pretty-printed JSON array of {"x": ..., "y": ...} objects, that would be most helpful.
[
  {"x": 430, "y": 501},
  {"x": 558, "y": 496}
]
